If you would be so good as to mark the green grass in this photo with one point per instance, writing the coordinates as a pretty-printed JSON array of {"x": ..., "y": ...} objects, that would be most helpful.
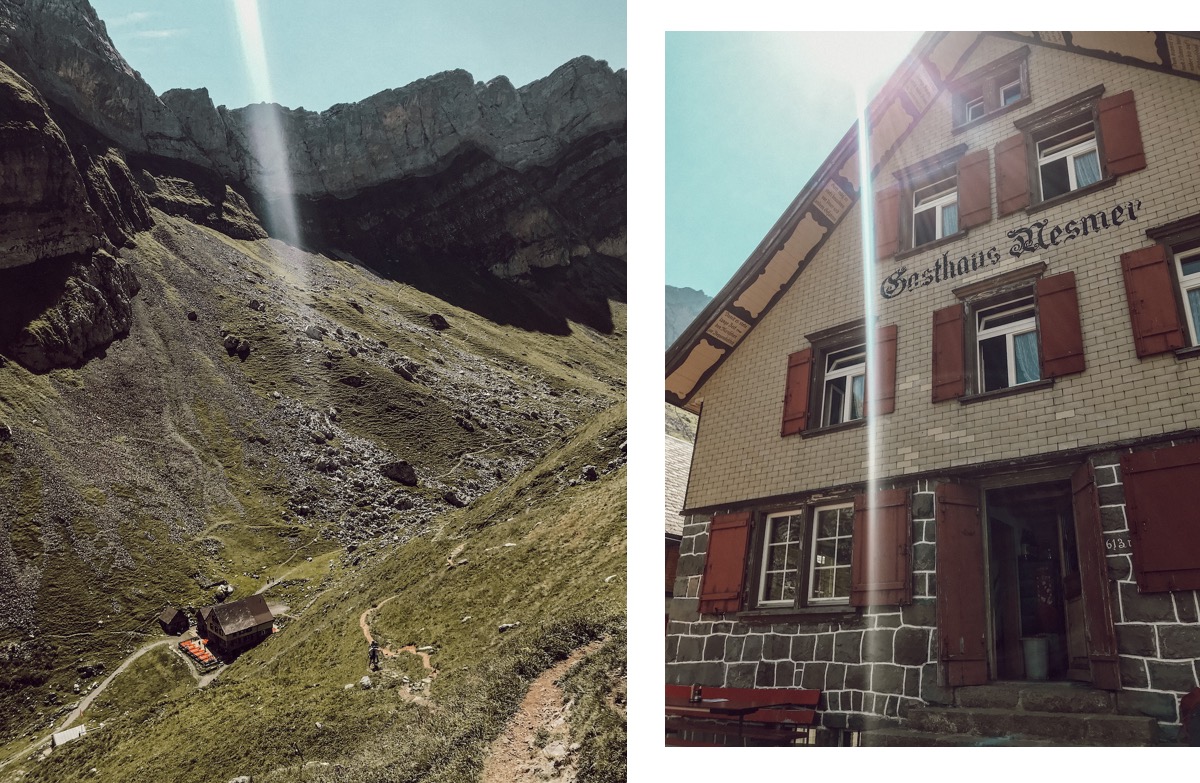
[{"x": 186, "y": 411}]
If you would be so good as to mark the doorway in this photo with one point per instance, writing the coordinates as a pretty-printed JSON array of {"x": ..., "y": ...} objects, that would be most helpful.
[{"x": 1035, "y": 604}]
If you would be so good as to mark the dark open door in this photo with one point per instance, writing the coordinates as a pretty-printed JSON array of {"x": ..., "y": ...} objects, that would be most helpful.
[
  {"x": 1101, "y": 638},
  {"x": 961, "y": 607}
]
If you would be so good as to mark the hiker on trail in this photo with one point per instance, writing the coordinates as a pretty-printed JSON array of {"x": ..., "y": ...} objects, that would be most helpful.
[{"x": 373, "y": 655}]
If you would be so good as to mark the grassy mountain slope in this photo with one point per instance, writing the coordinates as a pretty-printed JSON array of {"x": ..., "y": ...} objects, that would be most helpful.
[{"x": 179, "y": 460}]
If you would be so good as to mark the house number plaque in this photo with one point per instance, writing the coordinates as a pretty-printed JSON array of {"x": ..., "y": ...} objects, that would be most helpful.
[{"x": 1118, "y": 544}]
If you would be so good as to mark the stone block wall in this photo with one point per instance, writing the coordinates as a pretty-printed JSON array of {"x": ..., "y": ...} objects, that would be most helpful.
[
  {"x": 1158, "y": 634},
  {"x": 879, "y": 663}
]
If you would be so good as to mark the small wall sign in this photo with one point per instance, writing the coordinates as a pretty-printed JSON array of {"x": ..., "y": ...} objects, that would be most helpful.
[{"x": 1118, "y": 544}]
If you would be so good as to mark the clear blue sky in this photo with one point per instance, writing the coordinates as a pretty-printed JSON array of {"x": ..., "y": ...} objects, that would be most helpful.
[
  {"x": 322, "y": 52},
  {"x": 749, "y": 119}
]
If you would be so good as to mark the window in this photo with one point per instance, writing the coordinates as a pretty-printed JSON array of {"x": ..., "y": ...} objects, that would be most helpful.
[
  {"x": 793, "y": 574},
  {"x": 830, "y": 379},
  {"x": 1162, "y": 287},
  {"x": 1016, "y": 328},
  {"x": 845, "y": 386},
  {"x": 833, "y": 537},
  {"x": 935, "y": 211},
  {"x": 811, "y": 558},
  {"x": 1007, "y": 338},
  {"x": 973, "y": 106},
  {"x": 992, "y": 89},
  {"x": 933, "y": 200},
  {"x": 781, "y": 558},
  {"x": 1187, "y": 271},
  {"x": 1084, "y": 142},
  {"x": 1012, "y": 92},
  {"x": 1068, "y": 161}
]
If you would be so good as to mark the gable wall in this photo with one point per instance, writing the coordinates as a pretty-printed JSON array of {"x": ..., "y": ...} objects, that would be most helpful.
[{"x": 740, "y": 455}]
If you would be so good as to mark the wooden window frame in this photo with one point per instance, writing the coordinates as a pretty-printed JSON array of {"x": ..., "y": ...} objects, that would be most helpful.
[
  {"x": 1076, "y": 111},
  {"x": 825, "y": 343},
  {"x": 1084, "y": 143},
  {"x": 849, "y": 372},
  {"x": 986, "y": 294},
  {"x": 764, "y": 541},
  {"x": 1185, "y": 283},
  {"x": 955, "y": 332},
  {"x": 1181, "y": 239},
  {"x": 937, "y": 204},
  {"x": 989, "y": 82},
  {"x": 805, "y": 562},
  {"x": 1010, "y": 332},
  {"x": 911, "y": 179}
]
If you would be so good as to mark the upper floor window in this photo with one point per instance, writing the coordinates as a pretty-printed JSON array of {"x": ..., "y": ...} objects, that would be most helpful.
[
  {"x": 935, "y": 211},
  {"x": 1068, "y": 160},
  {"x": 992, "y": 89},
  {"x": 1008, "y": 331},
  {"x": 1007, "y": 339},
  {"x": 1162, "y": 287},
  {"x": 1074, "y": 146},
  {"x": 845, "y": 385},
  {"x": 934, "y": 200},
  {"x": 1187, "y": 270},
  {"x": 827, "y": 382}
]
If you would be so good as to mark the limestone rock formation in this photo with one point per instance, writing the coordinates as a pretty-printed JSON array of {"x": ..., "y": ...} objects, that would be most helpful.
[
  {"x": 90, "y": 306},
  {"x": 507, "y": 201},
  {"x": 43, "y": 197}
]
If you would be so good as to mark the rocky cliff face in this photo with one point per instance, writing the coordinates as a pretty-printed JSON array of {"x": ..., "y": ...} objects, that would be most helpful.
[
  {"x": 446, "y": 183},
  {"x": 63, "y": 48}
]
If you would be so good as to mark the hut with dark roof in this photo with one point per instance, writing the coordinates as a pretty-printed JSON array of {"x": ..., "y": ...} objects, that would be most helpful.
[
  {"x": 173, "y": 621},
  {"x": 233, "y": 627}
]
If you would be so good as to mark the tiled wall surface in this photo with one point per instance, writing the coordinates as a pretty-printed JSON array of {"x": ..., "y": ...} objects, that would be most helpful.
[{"x": 740, "y": 455}]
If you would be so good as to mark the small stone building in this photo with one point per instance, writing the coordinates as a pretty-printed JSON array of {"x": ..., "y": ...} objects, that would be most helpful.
[
  {"x": 173, "y": 621},
  {"x": 232, "y": 627},
  {"x": 951, "y": 478}
]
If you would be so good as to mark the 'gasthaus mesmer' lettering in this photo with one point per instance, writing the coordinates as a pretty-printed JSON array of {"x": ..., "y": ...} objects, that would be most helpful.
[{"x": 1039, "y": 235}]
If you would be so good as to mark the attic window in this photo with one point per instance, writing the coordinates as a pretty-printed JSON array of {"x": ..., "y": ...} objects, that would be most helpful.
[{"x": 991, "y": 90}]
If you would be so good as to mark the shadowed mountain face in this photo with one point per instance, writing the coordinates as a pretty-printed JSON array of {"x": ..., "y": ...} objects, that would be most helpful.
[{"x": 507, "y": 201}]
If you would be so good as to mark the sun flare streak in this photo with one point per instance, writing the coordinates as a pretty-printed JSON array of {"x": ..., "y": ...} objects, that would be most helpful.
[
  {"x": 866, "y": 202},
  {"x": 268, "y": 141}
]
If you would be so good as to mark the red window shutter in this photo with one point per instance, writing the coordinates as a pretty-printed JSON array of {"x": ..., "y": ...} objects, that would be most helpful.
[
  {"x": 974, "y": 189},
  {"x": 1012, "y": 175},
  {"x": 961, "y": 613},
  {"x": 1150, "y": 290},
  {"x": 887, "y": 222},
  {"x": 795, "y": 399},
  {"x": 1120, "y": 134},
  {"x": 885, "y": 366},
  {"x": 949, "y": 373},
  {"x": 1100, "y": 636},
  {"x": 881, "y": 564},
  {"x": 1162, "y": 506},
  {"x": 725, "y": 563},
  {"x": 1059, "y": 331}
]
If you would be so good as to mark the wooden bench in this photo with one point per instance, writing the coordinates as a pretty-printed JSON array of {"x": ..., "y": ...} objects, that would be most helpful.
[{"x": 740, "y": 716}]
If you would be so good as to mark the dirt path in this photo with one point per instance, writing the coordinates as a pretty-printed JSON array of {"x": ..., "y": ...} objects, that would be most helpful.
[
  {"x": 536, "y": 744},
  {"x": 86, "y": 701},
  {"x": 364, "y": 622}
]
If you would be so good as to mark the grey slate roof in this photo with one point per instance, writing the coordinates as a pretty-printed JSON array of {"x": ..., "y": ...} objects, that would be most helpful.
[
  {"x": 239, "y": 615},
  {"x": 679, "y": 463}
]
